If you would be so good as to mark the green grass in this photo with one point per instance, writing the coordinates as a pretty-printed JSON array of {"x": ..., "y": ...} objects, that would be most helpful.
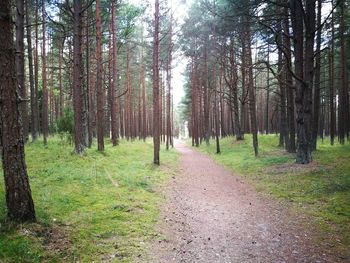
[
  {"x": 82, "y": 215},
  {"x": 321, "y": 189}
]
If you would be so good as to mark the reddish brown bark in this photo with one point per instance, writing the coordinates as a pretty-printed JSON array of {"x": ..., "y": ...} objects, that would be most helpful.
[
  {"x": 114, "y": 120},
  {"x": 20, "y": 206},
  {"x": 100, "y": 104}
]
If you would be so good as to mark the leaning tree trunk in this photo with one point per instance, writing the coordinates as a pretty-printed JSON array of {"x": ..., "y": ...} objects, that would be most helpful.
[{"x": 20, "y": 206}]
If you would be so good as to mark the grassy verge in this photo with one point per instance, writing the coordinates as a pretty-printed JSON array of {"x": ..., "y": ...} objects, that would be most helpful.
[
  {"x": 101, "y": 206},
  {"x": 321, "y": 189}
]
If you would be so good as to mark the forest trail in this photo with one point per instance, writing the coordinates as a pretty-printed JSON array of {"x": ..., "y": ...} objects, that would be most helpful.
[{"x": 211, "y": 215}]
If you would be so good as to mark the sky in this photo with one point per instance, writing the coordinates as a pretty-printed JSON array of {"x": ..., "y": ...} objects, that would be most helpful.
[{"x": 179, "y": 10}]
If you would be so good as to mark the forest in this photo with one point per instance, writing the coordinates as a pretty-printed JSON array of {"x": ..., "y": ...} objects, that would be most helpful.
[{"x": 175, "y": 131}]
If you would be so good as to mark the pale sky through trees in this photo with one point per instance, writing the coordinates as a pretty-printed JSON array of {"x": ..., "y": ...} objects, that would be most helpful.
[{"x": 180, "y": 9}]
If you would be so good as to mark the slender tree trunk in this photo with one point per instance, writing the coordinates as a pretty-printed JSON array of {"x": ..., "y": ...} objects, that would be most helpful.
[
  {"x": 100, "y": 111},
  {"x": 20, "y": 64},
  {"x": 77, "y": 78},
  {"x": 317, "y": 84},
  {"x": 168, "y": 95},
  {"x": 156, "y": 136},
  {"x": 60, "y": 88},
  {"x": 20, "y": 206},
  {"x": 289, "y": 83},
  {"x": 36, "y": 66},
  {"x": 114, "y": 123},
  {"x": 331, "y": 95},
  {"x": 45, "y": 115},
  {"x": 267, "y": 92},
  {"x": 282, "y": 88},
  {"x": 343, "y": 110},
  {"x": 33, "y": 98},
  {"x": 252, "y": 100}
]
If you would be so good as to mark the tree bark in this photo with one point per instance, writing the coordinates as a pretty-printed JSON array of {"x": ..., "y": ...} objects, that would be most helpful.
[
  {"x": 33, "y": 98},
  {"x": 114, "y": 122},
  {"x": 45, "y": 115},
  {"x": 343, "y": 110},
  {"x": 77, "y": 78},
  {"x": 289, "y": 83},
  {"x": 20, "y": 65},
  {"x": 251, "y": 89},
  {"x": 317, "y": 84},
  {"x": 168, "y": 95},
  {"x": 99, "y": 88},
  {"x": 156, "y": 127},
  {"x": 20, "y": 206},
  {"x": 304, "y": 72}
]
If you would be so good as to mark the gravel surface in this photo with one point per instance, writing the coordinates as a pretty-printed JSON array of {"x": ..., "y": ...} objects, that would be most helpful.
[{"x": 211, "y": 215}]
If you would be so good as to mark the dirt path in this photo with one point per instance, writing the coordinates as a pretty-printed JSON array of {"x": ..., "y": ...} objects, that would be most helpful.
[{"x": 212, "y": 216}]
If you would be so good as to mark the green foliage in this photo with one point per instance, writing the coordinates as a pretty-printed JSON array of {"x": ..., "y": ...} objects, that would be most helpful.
[
  {"x": 65, "y": 124},
  {"x": 99, "y": 207},
  {"x": 321, "y": 189}
]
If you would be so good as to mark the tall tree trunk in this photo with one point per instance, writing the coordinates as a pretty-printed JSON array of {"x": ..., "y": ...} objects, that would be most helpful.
[
  {"x": 114, "y": 123},
  {"x": 156, "y": 127},
  {"x": 33, "y": 98},
  {"x": 60, "y": 88},
  {"x": 304, "y": 72},
  {"x": 317, "y": 84},
  {"x": 343, "y": 110},
  {"x": 289, "y": 83},
  {"x": 77, "y": 78},
  {"x": 282, "y": 88},
  {"x": 20, "y": 64},
  {"x": 251, "y": 89},
  {"x": 267, "y": 92},
  {"x": 45, "y": 114},
  {"x": 332, "y": 124},
  {"x": 144, "y": 107},
  {"x": 234, "y": 88},
  {"x": 100, "y": 111},
  {"x": 195, "y": 108},
  {"x": 20, "y": 206},
  {"x": 168, "y": 95},
  {"x": 36, "y": 65}
]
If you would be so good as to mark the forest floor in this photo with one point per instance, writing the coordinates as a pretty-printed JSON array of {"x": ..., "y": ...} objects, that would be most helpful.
[
  {"x": 213, "y": 215},
  {"x": 99, "y": 207}
]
